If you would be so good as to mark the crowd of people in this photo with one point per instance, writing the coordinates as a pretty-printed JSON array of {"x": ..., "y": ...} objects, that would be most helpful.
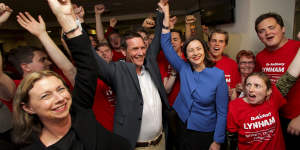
[{"x": 147, "y": 90}]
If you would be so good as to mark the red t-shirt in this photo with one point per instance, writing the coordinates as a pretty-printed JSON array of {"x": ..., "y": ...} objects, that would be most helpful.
[
  {"x": 258, "y": 126},
  {"x": 104, "y": 105},
  {"x": 117, "y": 55},
  {"x": 230, "y": 69},
  {"x": 274, "y": 64},
  {"x": 165, "y": 70}
]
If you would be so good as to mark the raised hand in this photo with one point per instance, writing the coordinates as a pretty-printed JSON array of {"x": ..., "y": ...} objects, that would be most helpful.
[
  {"x": 298, "y": 35},
  {"x": 189, "y": 19},
  {"x": 61, "y": 8},
  {"x": 5, "y": 12},
  {"x": 79, "y": 12},
  {"x": 35, "y": 27},
  {"x": 148, "y": 23},
  {"x": 99, "y": 9},
  {"x": 173, "y": 21},
  {"x": 64, "y": 13},
  {"x": 163, "y": 4},
  {"x": 113, "y": 22}
]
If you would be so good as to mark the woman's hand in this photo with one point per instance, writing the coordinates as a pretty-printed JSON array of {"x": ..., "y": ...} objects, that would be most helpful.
[{"x": 215, "y": 146}]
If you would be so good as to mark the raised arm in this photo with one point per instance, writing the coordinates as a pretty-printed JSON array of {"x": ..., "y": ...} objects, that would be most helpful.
[
  {"x": 38, "y": 29},
  {"x": 189, "y": 20},
  {"x": 166, "y": 45},
  {"x": 5, "y": 12},
  {"x": 154, "y": 47},
  {"x": 7, "y": 85},
  {"x": 99, "y": 9},
  {"x": 81, "y": 49}
]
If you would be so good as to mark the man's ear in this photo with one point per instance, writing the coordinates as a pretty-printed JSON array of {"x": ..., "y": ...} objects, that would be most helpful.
[
  {"x": 25, "y": 67},
  {"x": 27, "y": 109},
  {"x": 123, "y": 51}
]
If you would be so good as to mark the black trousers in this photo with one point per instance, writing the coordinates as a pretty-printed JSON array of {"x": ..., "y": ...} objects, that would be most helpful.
[
  {"x": 193, "y": 140},
  {"x": 291, "y": 141}
]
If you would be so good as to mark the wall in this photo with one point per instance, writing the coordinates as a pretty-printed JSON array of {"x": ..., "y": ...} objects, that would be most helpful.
[{"x": 242, "y": 32}]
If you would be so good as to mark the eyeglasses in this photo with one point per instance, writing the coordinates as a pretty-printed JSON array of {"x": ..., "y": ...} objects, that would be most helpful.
[{"x": 247, "y": 62}]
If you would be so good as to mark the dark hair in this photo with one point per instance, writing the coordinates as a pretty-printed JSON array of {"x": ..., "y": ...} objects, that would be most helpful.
[
  {"x": 25, "y": 124},
  {"x": 261, "y": 75},
  {"x": 140, "y": 29},
  {"x": 127, "y": 36},
  {"x": 246, "y": 53},
  {"x": 207, "y": 60},
  {"x": 262, "y": 17},
  {"x": 22, "y": 54},
  {"x": 220, "y": 31},
  {"x": 179, "y": 32},
  {"x": 101, "y": 45}
]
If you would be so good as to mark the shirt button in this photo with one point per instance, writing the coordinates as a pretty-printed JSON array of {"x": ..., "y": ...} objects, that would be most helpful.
[{"x": 140, "y": 119}]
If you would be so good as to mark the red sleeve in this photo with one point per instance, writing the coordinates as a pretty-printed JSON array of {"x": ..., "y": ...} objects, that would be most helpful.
[
  {"x": 276, "y": 96},
  {"x": 257, "y": 64},
  {"x": 231, "y": 124},
  {"x": 237, "y": 77}
]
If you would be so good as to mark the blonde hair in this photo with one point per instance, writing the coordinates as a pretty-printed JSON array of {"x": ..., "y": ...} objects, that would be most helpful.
[{"x": 25, "y": 124}]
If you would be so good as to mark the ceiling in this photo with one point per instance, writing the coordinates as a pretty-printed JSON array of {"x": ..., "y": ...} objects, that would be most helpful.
[{"x": 121, "y": 9}]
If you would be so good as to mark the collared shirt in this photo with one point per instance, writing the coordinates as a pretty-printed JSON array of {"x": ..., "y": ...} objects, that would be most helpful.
[{"x": 152, "y": 110}]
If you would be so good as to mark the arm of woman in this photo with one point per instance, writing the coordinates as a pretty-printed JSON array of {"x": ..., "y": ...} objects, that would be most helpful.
[
  {"x": 80, "y": 46},
  {"x": 221, "y": 109},
  {"x": 165, "y": 42}
]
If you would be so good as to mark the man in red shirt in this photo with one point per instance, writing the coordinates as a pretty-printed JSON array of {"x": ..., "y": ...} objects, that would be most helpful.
[
  {"x": 274, "y": 60},
  {"x": 217, "y": 41},
  {"x": 104, "y": 104},
  {"x": 169, "y": 76}
]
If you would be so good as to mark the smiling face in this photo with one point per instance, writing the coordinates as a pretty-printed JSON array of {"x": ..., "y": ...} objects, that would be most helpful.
[
  {"x": 256, "y": 91},
  {"x": 246, "y": 65},
  {"x": 271, "y": 33},
  {"x": 195, "y": 54},
  {"x": 135, "y": 52},
  {"x": 217, "y": 45},
  {"x": 49, "y": 99}
]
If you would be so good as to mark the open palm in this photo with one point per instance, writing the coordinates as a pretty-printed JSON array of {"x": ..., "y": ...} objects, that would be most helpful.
[{"x": 30, "y": 24}]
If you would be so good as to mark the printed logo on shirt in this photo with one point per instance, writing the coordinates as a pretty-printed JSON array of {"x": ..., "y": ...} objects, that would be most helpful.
[
  {"x": 110, "y": 96},
  {"x": 228, "y": 79},
  {"x": 274, "y": 70},
  {"x": 260, "y": 128}
]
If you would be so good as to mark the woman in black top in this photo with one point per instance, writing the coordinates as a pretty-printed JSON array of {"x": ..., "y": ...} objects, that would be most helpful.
[{"x": 47, "y": 116}]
